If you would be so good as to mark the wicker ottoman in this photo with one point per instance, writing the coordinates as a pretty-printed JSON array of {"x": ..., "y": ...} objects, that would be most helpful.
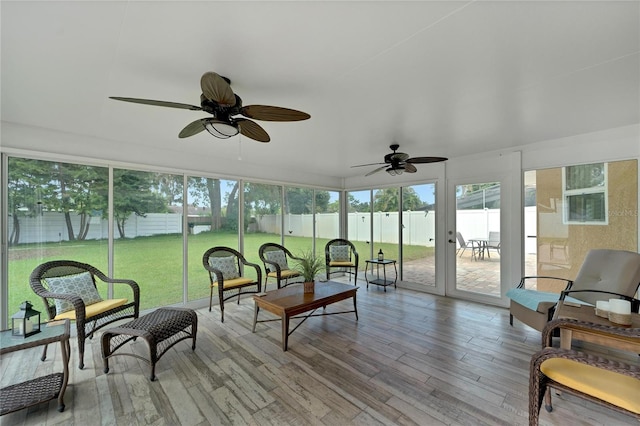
[{"x": 161, "y": 330}]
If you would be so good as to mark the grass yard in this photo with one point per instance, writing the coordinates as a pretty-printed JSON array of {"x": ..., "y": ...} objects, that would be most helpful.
[{"x": 155, "y": 263}]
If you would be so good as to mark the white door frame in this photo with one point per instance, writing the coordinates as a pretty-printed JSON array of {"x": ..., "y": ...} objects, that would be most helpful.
[{"x": 506, "y": 169}]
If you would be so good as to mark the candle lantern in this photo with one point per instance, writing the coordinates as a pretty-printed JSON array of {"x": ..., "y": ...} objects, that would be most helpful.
[{"x": 25, "y": 322}]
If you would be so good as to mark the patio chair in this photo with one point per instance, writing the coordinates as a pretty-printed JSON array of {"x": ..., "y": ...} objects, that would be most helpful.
[
  {"x": 340, "y": 256},
  {"x": 69, "y": 290},
  {"x": 226, "y": 268},
  {"x": 463, "y": 245},
  {"x": 493, "y": 242},
  {"x": 276, "y": 265},
  {"x": 597, "y": 379},
  {"x": 604, "y": 273}
]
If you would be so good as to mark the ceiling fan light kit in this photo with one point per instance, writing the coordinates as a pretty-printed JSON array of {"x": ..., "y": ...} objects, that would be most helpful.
[
  {"x": 220, "y": 129},
  {"x": 218, "y": 99},
  {"x": 397, "y": 163}
]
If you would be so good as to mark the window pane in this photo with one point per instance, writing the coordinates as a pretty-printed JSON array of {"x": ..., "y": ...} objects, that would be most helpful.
[
  {"x": 359, "y": 225},
  {"x": 327, "y": 218},
  {"x": 587, "y": 208},
  {"x": 556, "y": 247},
  {"x": 418, "y": 234},
  {"x": 298, "y": 219},
  {"x": 56, "y": 211},
  {"x": 585, "y": 176},
  {"x": 263, "y": 218},
  {"x": 148, "y": 234},
  {"x": 212, "y": 221},
  {"x": 386, "y": 222}
]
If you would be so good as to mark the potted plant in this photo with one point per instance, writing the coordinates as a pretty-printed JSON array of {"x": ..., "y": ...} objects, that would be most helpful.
[{"x": 309, "y": 265}]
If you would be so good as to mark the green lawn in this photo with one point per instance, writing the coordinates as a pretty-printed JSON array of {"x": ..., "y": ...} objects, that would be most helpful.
[{"x": 155, "y": 263}]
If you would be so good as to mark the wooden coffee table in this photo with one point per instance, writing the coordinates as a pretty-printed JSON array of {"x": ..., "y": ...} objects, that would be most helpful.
[{"x": 290, "y": 301}]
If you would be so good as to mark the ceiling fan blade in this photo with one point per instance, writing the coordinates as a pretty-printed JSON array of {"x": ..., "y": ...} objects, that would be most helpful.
[
  {"x": 252, "y": 130},
  {"x": 363, "y": 165},
  {"x": 417, "y": 160},
  {"x": 157, "y": 103},
  {"x": 379, "y": 169},
  {"x": 217, "y": 89},
  {"x": 193, "y": 128},
  {"x": 410, "y": 168},
  {"x": 273, "y": 113}
]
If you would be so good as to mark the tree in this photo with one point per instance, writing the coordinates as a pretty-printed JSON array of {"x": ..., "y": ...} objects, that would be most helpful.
[
  {"x": 28, "y": 187},
  {"x": 357, "y": 206},
  {"x": 133, "y": 195},
  {"x": 299, "y": 200},
  {"x": 81, "y": 189},
  {"x": 386, "y": 200}
]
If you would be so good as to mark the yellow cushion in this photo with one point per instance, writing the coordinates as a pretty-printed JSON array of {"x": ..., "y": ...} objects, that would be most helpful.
[
  {"x": 287, "y": 273},
  {"x": 615, "y": 388},
  {"x": 93, "y": 309},
  {"x": 340, "y": 263},
  {"x": 235, "y": 282}
]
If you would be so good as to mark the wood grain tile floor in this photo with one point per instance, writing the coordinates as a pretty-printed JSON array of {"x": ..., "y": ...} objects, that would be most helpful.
[{"x": 411, "y": 359}]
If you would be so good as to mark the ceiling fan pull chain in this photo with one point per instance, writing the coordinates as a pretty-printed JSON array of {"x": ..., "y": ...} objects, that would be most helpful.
[{"x": 240, "y": 147}]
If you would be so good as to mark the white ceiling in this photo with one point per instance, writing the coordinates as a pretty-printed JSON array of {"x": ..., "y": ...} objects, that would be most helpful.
[{"x": 448, "y": 78}]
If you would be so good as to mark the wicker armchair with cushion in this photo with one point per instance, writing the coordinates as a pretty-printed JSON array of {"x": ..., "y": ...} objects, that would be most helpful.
[
  {"x": 276, "y": 265},
  {"x": 69, "y": 289},
  {"x": 226, "y": 268},
  {"x": 341, "y": 254},
  {"x": 604, "y": 273},
  {"x": 613, "y": 384}
]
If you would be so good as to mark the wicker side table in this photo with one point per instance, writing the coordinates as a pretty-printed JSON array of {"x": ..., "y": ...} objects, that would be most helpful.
[
  {"x": 40, "y": 389},
  {"x": 161, "y": 329}
]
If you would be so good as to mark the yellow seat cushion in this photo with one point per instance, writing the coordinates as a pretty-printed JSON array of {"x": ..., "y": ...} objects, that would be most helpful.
[
  {"x": 235, "y": 282},
  {"x": 614, "y": 388},
  {"x": 287, "y": 273},
  {"x": 340, "y": 263},
  {"x": 93, "y": 309}
]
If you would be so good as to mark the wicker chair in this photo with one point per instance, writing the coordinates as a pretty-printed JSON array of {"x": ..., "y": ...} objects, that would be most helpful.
[
  {"x": 48, "y": 281},
  {"x": 610, "y": 383},
  {"x": 341, "y": 254},
  {"x": 226, "y": 268},
  {"x": 276, "y": 265}
]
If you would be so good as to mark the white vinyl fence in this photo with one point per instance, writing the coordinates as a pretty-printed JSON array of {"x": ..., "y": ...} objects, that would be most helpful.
[{"x": 418, "y": 227}]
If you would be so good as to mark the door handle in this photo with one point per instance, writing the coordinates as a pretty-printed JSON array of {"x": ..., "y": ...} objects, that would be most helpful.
[{"x": 452, "y": 242}]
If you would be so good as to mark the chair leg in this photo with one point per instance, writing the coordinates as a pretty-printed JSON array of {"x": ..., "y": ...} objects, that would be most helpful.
[
  {"x": 44, "y": 353},
  {"x": 547, "y": 400},
  {"x": 81, "y": 352},
  {"x": 210, "y": 298},
  {"x": 355, "y": 276}
]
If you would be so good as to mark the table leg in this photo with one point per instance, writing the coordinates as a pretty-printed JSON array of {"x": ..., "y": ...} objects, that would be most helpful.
[
  {"x": 384, "y": 276},
  {"x": 255, "y": 316},
  {"x": 565, "y": 338},
  {"x": 355, "y": 308},
  {"x": 285, "y": 331}
]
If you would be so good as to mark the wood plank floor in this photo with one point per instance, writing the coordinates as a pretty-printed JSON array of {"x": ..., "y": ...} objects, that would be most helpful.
[{"x": 411, "y": 359}]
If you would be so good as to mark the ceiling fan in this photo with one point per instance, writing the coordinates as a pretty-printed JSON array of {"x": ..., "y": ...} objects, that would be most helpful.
[
  {"x": 218, "y": 99},
  {"x": 396, "y": 163}
]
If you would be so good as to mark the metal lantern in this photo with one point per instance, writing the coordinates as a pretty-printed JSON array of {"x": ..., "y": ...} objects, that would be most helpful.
[{"x": 25, "y": 322}]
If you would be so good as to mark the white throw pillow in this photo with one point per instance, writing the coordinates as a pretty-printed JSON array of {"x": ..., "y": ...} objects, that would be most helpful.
[
  {"x": 278, "y": 257},
  {"x": 226, "y": 265},
  {"x": 339, "y": 253},
  {"x": 78, "y": 284}
]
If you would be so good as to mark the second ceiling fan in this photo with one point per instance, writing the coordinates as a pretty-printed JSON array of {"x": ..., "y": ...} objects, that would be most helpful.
[
  {"x": 396, "y": 163},
  {"x": 218, "y": 99}
]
